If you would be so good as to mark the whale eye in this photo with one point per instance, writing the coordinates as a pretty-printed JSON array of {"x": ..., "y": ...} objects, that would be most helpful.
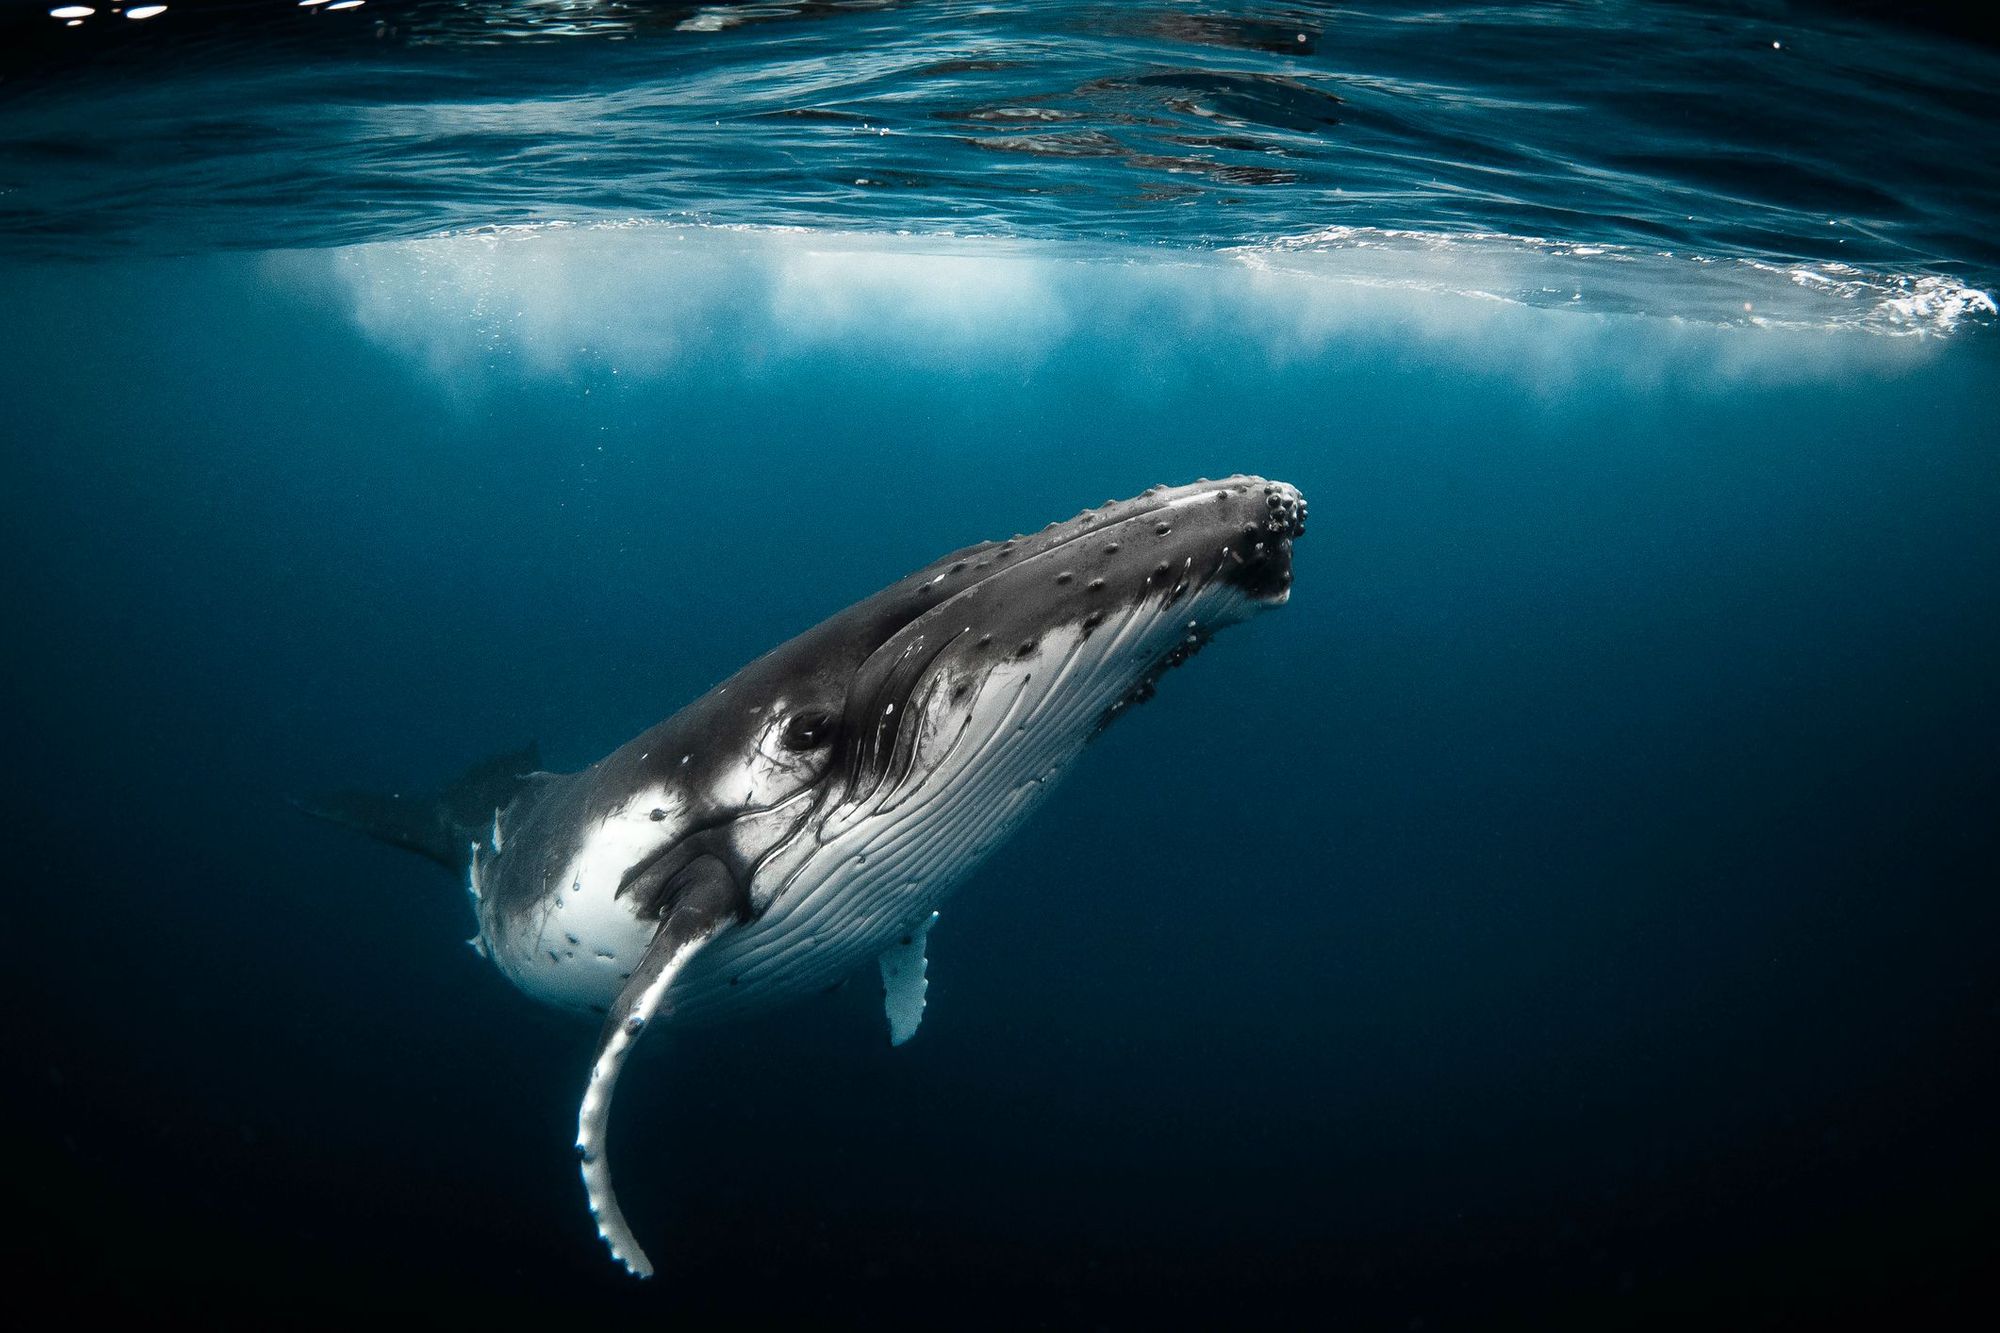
[{"x": 808, "y": 731}]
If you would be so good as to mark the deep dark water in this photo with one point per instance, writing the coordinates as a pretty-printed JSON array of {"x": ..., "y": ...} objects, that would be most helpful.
[{"x": 1574, "y": 909}]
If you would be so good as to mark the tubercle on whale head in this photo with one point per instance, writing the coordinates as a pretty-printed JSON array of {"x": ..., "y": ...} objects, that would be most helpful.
[{"x": 1261, "y": 561}]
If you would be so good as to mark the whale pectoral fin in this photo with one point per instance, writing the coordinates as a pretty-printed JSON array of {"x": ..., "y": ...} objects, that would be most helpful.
[
  {"x": 705, "y": 901},
  {"x": 904, "y": 981}
]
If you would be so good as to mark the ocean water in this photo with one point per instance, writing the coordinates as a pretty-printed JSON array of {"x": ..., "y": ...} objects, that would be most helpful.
[{"x": 1574, "y": 909}]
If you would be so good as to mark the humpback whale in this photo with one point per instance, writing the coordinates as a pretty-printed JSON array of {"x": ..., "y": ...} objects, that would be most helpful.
[{"x": 809, "y": 815}]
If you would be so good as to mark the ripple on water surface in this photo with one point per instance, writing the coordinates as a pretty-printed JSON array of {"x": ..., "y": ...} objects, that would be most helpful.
[{"x": 1739, "y": 150}]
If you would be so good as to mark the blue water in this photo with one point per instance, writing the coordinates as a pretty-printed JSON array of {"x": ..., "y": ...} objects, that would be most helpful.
[{"x": 1573, "y": 909}]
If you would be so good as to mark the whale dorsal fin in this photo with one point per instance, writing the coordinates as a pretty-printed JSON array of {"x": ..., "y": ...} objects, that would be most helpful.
[
  {"x": 905, "y": 980},
  {"x": 705, "y": 901},
  {"x": 438, "y": 825}
]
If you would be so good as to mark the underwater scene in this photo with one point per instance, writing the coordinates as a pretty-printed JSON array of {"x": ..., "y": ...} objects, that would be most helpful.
[{"x": 1125, "y": 665}]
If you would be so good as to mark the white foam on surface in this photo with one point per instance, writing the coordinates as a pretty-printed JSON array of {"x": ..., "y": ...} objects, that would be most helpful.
[
  {"x": 1539, "y": 272},
  {"x": 640, "y": 299}
]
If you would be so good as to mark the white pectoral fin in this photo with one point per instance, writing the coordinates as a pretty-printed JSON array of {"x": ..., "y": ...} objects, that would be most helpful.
[
  {"x": 904, "y": 982},
  {"x": 704, "y": 906}
]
